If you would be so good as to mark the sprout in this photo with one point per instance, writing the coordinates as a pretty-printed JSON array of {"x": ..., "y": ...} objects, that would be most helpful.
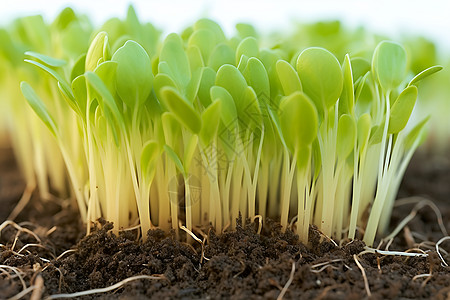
[{"x": 199, "y": 128}]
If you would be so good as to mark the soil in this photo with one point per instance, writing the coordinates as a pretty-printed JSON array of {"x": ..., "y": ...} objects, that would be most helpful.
[{"x": 239, "y": 265}]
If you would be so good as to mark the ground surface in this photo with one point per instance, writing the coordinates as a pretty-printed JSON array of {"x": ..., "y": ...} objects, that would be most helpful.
[{"x": 238, "y": 265}]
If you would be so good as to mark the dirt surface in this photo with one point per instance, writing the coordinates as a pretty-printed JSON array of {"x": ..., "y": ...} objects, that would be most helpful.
[{"x": 239, "y": 265}]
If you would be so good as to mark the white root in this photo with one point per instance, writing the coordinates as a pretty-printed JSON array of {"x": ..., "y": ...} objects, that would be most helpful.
[
  {"x": 444, "y": 263},
  {"x": 288, "y": 283},
  {"x": 104, "y": 290},
  {"x": 366, "y": 282}
]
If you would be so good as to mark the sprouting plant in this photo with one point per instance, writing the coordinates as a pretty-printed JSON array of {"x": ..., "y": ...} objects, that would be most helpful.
[{"x": 202, "y": 127}]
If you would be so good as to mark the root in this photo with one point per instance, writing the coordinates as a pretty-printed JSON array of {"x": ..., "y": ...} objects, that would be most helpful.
[
  {"x": 18, "y": 228},
  {"x": 26, "y": 196},
  {"x": 288, "y": 283},
  {"x": 444, "y": 263},
  {"x": 260, "y": 218},
  {"x": 366, "y": 282},
  {"x": 394, "y": 253},
  {"x": 106, "y": 289}
]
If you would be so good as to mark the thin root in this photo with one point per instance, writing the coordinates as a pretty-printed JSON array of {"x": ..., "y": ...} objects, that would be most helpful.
[
  {"x": 288, "y": 283},
  {"x": 444, "y": 263},
  {"x": 366, "y": 282},
  {"x": 106, "y": 289}
]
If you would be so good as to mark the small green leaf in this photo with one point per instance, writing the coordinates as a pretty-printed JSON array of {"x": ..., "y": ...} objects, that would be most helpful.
[
  {"x": 39, "y": 107},
  {"x": 107, "y": 73},
  {"x": 360, "y": 67},
  {"x": 210, "y": 122},
  {"x": 401, "y": 109},
  {"x": 363, "y": 130},
  {"x": 97, "y": 51},
  {"x": 424, "y": 74},
  {"x": 205, "y": 41},
  {"x": 47, "y": 60},
  {"x": 418, "y": 132},
  {"x": 256, "y": 76},
  {"x": 232, "y": 80},
  {"x": 78, "y": 67},
  {"x": 134, "y": 77},
  {"x": 149, "y": 155},
  {"x": 346, "y": 136},
  {"x": 195, "y": 58},
  {"x": 221, "y": 55},
  {"x": 246, "y": 30},
  {"x": 162, "y": 80},
  {"x": 106, "y": 97},
  {"x": 228, "y": 113},
  {"x": 172, "y": 154},
  {"x": 211, "y": 26},
  {"x": 173, "y": 54},
  {"x": 248, "y": 47},
  {"x": 299, "y": 120},
  {"x": 389, "y": 64},
  {"x": 321, "y": 77},
  {"x": 189, "y": 152},
  {"x": 182, "y": 109},
  {"x": 80, "y": 92},
  {"x": 208, "y": 80},
  {"x": 194, "y": 85},
  {"x": 347, "y": 99},
  {"x": 290, "y": 82}
]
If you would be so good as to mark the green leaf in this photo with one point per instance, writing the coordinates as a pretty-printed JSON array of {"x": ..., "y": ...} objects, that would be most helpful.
[
  {"x": 232, "y": 80},
  {"x": 106, "y": 98},
  {"x": 418, "y": 132},
  {"x": 389, "y": 64},
  {"x": 363, "y": 131},
  {"x": 78, "y": 67},
  {"x": 162, "y": 80},
  {"x": 256, "y": 76},
  {"x": 424, "y": 74},
  {"x": 205, "y": 41},
  {"x": 211, "y": 26},
  {"x": 39, "y": 107},
  {"x": 248, "y": 47},
  {"x": 360, "y": 67},
  {"x": 228, "y": 113},
  {"x": 107, "y": 73},
  {"x": 346, "y": 136},
  {"x": 299, "y": 120},
  {"x": 173, "y": 54},
  {"x": 194, "y": 85},
  {"x": 246, "y": 30},
  {"x": 210, "y": 122},
  {"x": 401, "y": 109},
  {"x": 208, "y": 80},
  {"x": 182, "y": 109},
  {"x": 47, "y": 60},
  {"x": 221, "y": 55},
  {"x": 149, "y": 155},
  {"x": 195, "y": 58},
  {"x": 189, "y": 152},
  {"x": 321, "y": 77},
  {"x": 347, "y": 99},
  {"x": 290, "y": 82},
  {"x": 98, "y": 51},
  {"x": 134, "y": 77},
  {"x": 171, "y": 153},
  {"x": 80, "y": 92}
]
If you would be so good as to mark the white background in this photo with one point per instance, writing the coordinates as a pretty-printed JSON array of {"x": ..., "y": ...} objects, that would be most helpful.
[{"x": 393, "y": 17}]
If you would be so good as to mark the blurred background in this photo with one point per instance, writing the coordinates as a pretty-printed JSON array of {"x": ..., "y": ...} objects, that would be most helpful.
[{"x": 429, "y": 18}]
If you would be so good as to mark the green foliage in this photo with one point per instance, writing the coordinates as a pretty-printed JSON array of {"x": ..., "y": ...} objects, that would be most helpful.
[{"x": 132, "y": 114}]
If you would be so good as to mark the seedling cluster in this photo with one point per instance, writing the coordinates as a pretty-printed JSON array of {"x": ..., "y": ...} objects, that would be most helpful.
[{"x": 198, "y": 127}]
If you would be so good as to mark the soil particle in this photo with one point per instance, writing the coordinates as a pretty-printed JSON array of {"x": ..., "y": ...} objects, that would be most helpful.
[{"x": 234, "y": 265}]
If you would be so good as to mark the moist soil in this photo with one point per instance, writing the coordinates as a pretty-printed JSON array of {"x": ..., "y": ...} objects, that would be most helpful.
[{"x": 240, "y": 265}]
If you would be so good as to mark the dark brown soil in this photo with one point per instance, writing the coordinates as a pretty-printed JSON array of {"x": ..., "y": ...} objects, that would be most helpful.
[{"x": 237, "y": 265}]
